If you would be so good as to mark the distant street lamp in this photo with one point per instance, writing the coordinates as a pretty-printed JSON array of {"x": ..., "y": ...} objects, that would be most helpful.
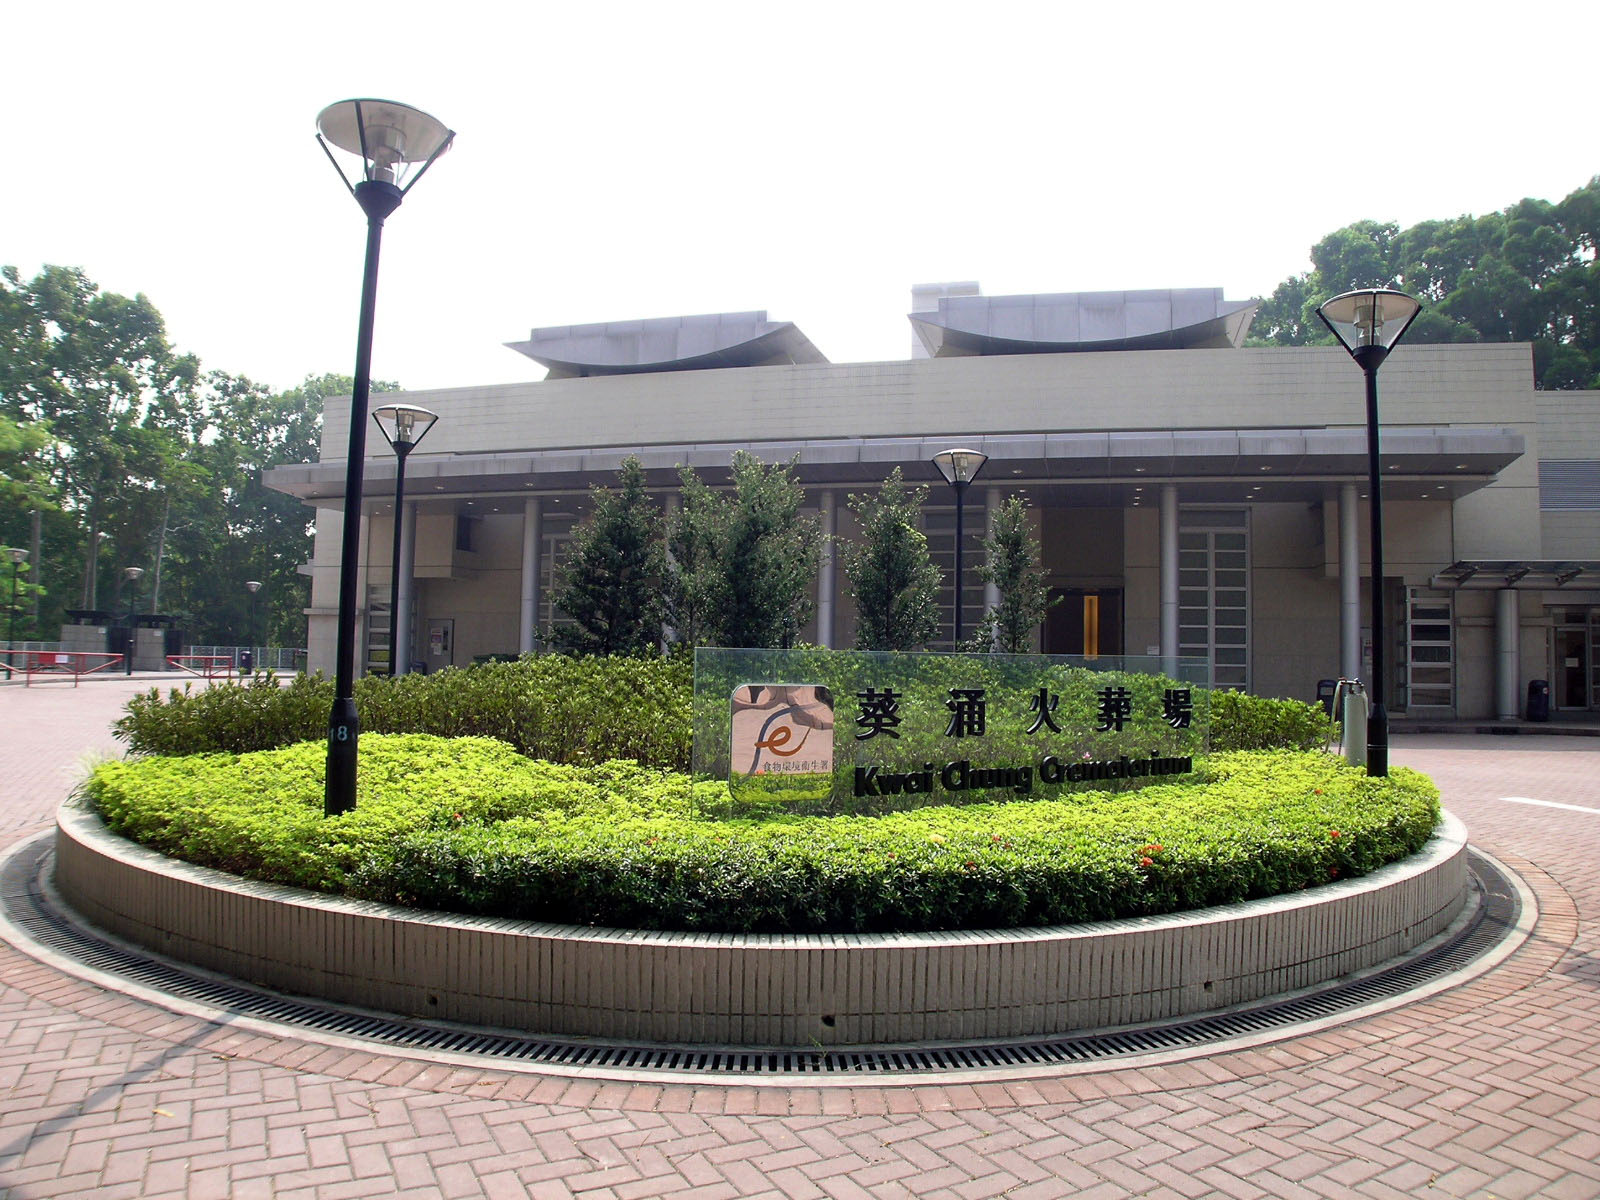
[
  {"x": 18, "y": 556},
  {"x": 388, "y": 138},
  {"x": 403, "y": 425},
  {"x": 252, "y": 586},
  {"x": 1368, "y": 323},
  {"x": 132, "y": 575},
  {"x": 959, "y": 468}
]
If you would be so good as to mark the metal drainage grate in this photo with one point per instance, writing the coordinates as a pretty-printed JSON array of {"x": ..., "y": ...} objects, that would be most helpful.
[{"x": 26, "y": 904}]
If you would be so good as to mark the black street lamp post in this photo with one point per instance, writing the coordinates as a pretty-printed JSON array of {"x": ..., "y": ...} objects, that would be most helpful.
[
  {"x": 252, "y": 586},
  {"x": 1368, "y": 323},
  {"x": 18, "y": 556},
  {"x": 959, "y": 468},
  {"x": 132, "y": 575},
  {"x": 403, "y": 426},
  {"x": 388, "y": 137}
]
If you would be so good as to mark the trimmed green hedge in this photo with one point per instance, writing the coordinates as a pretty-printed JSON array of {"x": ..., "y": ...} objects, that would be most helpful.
[
  {"x": 471, "y": 826},
  {"x": 555, "y": 707},
  {"x": 564, "y": 709}
]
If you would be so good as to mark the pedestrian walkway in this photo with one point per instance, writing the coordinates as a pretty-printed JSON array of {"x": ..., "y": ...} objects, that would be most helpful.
[{"x": 1489, "y": 1089}]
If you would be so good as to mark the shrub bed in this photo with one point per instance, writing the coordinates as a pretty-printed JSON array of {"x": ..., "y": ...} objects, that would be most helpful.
[
  {"x": 565, "y": 709},
  {"x": 470, "y": 825},
  {"x": 561, "y": 708}
]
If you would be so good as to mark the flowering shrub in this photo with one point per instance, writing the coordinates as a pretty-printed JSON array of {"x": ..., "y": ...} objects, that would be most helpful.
[{"x": 469, "y": 825}]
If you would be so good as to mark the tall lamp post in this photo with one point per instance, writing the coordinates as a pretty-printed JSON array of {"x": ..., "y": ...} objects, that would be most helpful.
[
  {"x": 959, "y": 468},
  {"x": 1368, "y": 323},
  {"x": 132, "y": 575},
  {"x": 252, "y": 586},
  {"x": 403, "y": 426},
  {"x": 388, "y": 138},
  {"x": 18, "y": 556}
]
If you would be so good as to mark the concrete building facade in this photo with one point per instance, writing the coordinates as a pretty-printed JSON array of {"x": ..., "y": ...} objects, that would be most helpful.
[{"x": 1193, "y": 497}]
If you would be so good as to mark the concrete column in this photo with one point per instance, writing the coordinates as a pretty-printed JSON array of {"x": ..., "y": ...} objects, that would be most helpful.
[
  {"x": 407, "y": 589},
  {"x": 827, "y": 585},
  {"x": 532, "y": 542},
  {"x": 1169, "y": 579},
  {"x": 991, "y": 505},
  {"x": 1349, "y": 584},
  {"x": 1508, "y": 665}
]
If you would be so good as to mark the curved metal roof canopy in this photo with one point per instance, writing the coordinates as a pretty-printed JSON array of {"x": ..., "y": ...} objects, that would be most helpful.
[
  {"x": 700, "y": 343},
  {"x": 1169, "y": 319}
]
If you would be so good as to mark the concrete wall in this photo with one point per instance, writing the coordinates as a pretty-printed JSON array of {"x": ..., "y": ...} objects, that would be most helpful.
[
  {"x": 1149, "y": 390},
  {"x": 761, "y": 990}
]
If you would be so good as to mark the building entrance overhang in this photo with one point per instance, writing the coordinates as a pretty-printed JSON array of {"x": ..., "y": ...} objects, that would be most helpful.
[{"x": 1221, "y": 464}]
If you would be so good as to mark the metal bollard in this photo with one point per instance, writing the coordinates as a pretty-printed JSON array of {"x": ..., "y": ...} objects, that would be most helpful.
[{"x": 1355, "y": 723}]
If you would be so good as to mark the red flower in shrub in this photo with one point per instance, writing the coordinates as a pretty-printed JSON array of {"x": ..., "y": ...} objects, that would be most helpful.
[
  {"x": 1335, "y": 834},
  {"x": 1145, "y": 862},
  {"x": 1333, "y": 872}
]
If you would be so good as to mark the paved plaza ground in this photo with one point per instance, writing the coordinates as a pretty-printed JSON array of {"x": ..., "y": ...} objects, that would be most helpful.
[{"x": 1488, "y": 1089}]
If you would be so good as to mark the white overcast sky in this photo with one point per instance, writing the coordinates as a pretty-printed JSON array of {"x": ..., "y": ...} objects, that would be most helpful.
[{"x": 814, "y": 159}]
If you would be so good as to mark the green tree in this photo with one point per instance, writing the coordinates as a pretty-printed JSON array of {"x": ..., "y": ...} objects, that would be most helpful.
[
  {"x": 1012, "y": 566},
  {"x": 768, "y": 556},
  {"x": 895, "y": 583},
  {"x": 744, "y": 559},
  {"x": 1526, "y": 273},
  {"x": 614, "y": 572},
  {"x": 694, "y": 538},
  {"x": 95, "y": 372}
]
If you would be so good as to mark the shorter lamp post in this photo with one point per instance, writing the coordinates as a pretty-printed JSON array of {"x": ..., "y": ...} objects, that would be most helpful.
[
  {"x": 18, "y": 556},
  {"x": 132, "y": 576},
  {"x": 403, "y": 425},
  {"x": 252, "y": 586},
  {"x": 1368, "y": 323},
  {"x": 959, "y": 468}
]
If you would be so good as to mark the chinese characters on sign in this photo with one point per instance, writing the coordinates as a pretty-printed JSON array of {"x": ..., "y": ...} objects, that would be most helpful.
[{"x": 879, "y": 711}]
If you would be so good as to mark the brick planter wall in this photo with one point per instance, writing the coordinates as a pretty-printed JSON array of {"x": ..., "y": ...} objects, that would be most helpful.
[{"x": 758, "y": 990}]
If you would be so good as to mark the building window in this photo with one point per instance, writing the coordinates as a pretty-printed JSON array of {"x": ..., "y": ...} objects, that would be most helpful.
[
  {"x": 1429, "y": 650},
  {"x": 1214, "y": 592}
]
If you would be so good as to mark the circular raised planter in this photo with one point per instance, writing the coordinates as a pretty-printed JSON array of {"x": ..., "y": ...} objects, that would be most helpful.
[{"x": 752, "y": 989}]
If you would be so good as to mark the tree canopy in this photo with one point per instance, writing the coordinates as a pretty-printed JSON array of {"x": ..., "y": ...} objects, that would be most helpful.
[
  {"x": 1525, "y": 274},
  {"x": 895, "y": 582},
  {"x": 117, "y": 451}
]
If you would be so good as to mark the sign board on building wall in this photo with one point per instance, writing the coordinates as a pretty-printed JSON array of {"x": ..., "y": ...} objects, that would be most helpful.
[{"x": 850, "y": 731}]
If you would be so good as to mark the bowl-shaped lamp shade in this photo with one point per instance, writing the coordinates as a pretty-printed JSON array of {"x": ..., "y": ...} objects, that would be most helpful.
[
  {"x": 959, "y": 466},
  {"x": 252, "y": 586},
  {"x": 404, "y": 424},
  {"x": 132, "y": 574},
  {"x": 386, "y": 136},
  {"x": 17, "y": 555},
  {"x": 1371, "y": 317}
]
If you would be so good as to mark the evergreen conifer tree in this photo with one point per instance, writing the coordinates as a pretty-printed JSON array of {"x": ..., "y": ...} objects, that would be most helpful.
[
  {"x": 611, "y": 586},
  {"x": 895, "y": 583},
  {"x": 1012, "y": 565}
]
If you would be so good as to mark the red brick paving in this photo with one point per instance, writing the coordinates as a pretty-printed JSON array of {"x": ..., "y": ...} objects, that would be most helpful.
[{"x": 1491, "y": 1089}]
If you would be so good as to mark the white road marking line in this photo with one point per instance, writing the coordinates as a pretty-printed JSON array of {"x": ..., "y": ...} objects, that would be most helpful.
[{"x": 1549, "y": 804}]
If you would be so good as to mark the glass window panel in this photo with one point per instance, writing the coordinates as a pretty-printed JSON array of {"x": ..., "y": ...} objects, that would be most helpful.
[
  {"x": 1430, "y": 612},
  {"x": 1230, "y": 541},
  {"x": 1192, "y": 559},
  {"x": 1230, "y": 616},
  {"x": 1193, "y": 541},
  {"x": 1430, "y": 633},
  {"x": 1231, "y": 654},
  {"x": 1230, "y": 599},
  {"x": 1230, "y": 579},
  {"x": 1438, "y": 676},
  {"x": 1192, "y": 579},
  {"x": 1229, "y": 637},
  {"x": 1430, "y": 654}
]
